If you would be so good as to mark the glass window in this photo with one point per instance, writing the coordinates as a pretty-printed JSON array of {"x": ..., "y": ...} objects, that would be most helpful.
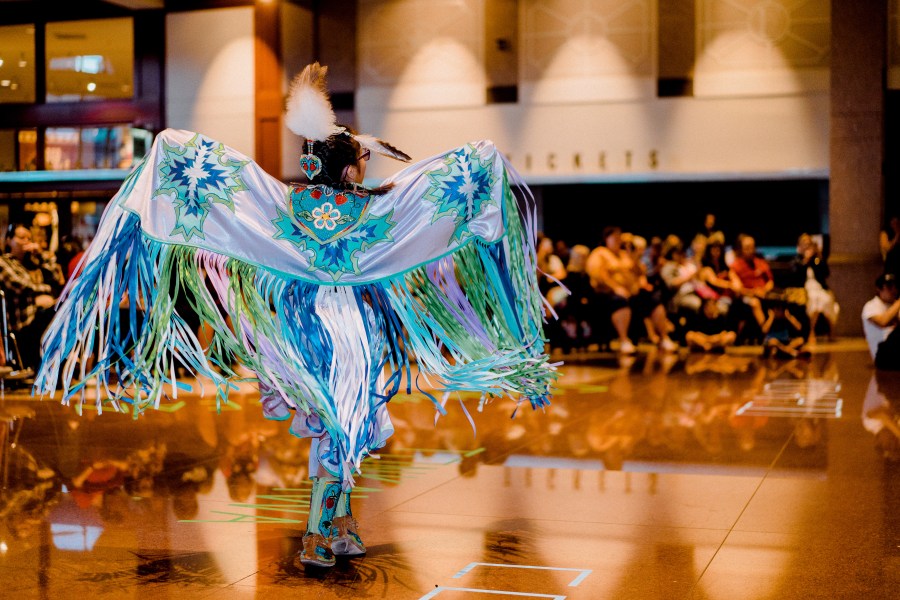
[
  {"x": 90, "y": 60},
  {"x": 27, "y": 149},
  {"x": 110, "y": 147},
  {"x": 7, "y": 150},
  {"x": 17, "y": 77}
]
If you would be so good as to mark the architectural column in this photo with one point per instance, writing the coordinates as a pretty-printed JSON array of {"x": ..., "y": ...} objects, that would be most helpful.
[
  {"x": 856, "y": 205},
  {"x": 268, "y": 77}
]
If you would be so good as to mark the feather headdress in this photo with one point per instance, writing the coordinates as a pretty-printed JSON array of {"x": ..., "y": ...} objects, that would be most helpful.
[{"x": 309, "y": 114}]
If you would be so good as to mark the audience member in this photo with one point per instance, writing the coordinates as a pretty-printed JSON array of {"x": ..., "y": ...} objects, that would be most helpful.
[
  {"x": 576, "y": 310},
  {"x": 714, "y": 274},
  {"x": 879, "y": 317},
  {"x": 561, "y": 249},
  {"x": 782, "y": 331},
  {"x": 615, "y": 278},
  {"x": 751, "y": 279},
  {"x": 649, "y": 292},
  {"x": 708, "y": 228},
  {"x": 697, "y": 248},
  {"x": 550, "y": 268},
  {"x": 810, "y": 271},
  {"x": 889, "y": 241},
  {"x": 710, "y": 331},
  {"x": 679, "y": 275},
  {"x": 29, "y": 300},
  {"x": 69, "y": 254}
]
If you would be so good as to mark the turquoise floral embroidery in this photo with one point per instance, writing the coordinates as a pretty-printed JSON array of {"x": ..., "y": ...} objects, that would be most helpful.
[
  {"x": 198, "y": 174},
  {"x": 461, "y": 189},
  {"x": 335, "y": 226}
]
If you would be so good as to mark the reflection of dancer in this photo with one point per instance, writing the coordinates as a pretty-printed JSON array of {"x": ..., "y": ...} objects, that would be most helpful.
[{"x": 323, "y": 290}]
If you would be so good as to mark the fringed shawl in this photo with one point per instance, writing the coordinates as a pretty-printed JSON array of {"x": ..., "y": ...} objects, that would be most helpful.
[{"x": 327, "y": 295}]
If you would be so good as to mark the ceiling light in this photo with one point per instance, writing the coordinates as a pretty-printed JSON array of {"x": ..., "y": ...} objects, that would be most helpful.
[{"x": 91, "y": 86}]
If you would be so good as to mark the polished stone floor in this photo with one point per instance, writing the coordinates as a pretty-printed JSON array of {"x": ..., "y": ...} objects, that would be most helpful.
[{"x": 691, "y": 476}]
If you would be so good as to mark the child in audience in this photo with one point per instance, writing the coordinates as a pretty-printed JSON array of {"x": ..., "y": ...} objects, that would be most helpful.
[{"x": 783, "y": 334}]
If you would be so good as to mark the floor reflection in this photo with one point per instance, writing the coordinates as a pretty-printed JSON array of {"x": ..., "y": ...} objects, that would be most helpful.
[{"x": 651, "y": 469}]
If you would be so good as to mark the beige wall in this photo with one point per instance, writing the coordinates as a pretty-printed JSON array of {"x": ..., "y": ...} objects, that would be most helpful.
[
  {"x": 210, "y": 78},
  {"x": 588, "y": 109}
]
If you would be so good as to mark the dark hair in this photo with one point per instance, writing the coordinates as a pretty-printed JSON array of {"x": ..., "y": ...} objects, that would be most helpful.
[
  {"x": 11, "y": 231},
  {"x": 884, "y": 279},
  {"x": 338, "y": 152},
  {"x": 608, "y": 231},
  {"x": 669, "y": 252}
]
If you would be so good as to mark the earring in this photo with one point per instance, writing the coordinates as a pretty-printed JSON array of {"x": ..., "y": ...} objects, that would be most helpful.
[{"x": 310, "y": 164}]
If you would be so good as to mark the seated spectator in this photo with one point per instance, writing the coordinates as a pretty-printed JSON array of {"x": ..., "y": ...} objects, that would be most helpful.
[
  {"x": 550, "y": 268},
  {"x": 69, "y": 254},
  {"x": 562, "y": 250},
  {"x": 710, "y": 331},
  {"x": 698, "y": 248},
  {"x": 879, "y": 317},
  {"x": 653, "y": 260},
  {"x": 782, "y": 331},
  {"x": 649, "y": 290},
  {"x": 575, "y": 310},
  {"x": 714, "y": 275},
  {"x": 613, "y": 276},
  {"x": 889, "y": 242},
  {"x": 751, "y": 280},
  {"x": 29, "y": 301},
  {"x": 810, "y": 271},
  {"x": 679, "y": 274}
]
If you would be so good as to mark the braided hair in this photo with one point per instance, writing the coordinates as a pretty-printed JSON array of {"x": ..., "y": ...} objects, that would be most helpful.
[{"x": 337, "y": 152}]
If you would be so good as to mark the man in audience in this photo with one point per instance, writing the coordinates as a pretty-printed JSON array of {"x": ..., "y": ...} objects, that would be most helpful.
[
  {"x": 29, "y": 301},
  {"x": 751, "y": 278},
  {"x": 879, "y": 317}
]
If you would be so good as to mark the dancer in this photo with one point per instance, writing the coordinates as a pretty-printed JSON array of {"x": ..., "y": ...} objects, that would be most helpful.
[{"x": 325, "y": 290}]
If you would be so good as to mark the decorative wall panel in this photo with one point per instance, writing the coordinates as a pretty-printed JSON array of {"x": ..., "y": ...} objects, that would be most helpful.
[
  {"x": 587, "y": 50},
  {"x": 762, "y": 47},
  {"x": 421, "y": 53}
]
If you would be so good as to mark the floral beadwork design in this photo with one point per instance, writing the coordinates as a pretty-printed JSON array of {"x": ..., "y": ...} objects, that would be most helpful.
[
  {"x": 335, "y": 225},
  {"x": 326, "y": 217}
]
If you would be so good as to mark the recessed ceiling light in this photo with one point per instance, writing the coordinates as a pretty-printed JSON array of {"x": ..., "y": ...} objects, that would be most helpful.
[{"x": 91, "y": 86}]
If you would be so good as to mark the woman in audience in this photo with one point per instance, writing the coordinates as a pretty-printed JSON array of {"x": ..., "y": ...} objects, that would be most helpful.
[
  {"x": 613, "y": 275},
  {"x": 679, "y": 274},
  {"x": 811, "y": 272},
  {"x": 576, "y": 309},
  {"x": 550, "y": 268}
]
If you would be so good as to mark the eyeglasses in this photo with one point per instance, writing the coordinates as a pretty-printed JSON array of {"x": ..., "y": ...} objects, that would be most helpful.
[{"x": 365, "y": 155}]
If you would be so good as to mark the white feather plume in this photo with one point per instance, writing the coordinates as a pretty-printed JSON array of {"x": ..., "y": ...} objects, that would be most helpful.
[
  {"x": 380, "y": 146},
  {"x": 309, "y": 112}
]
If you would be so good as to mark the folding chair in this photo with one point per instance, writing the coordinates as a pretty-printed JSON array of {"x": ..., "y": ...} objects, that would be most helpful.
[{"x": 14, "y": 369}]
